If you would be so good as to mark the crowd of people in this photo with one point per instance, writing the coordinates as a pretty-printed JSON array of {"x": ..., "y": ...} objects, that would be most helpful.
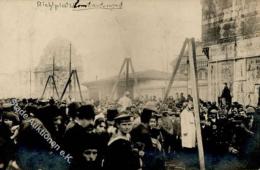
[{"x": 125, "y": 134}]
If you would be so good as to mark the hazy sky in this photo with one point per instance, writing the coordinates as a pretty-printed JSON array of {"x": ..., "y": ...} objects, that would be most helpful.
[{"x": 151, "y": 32}]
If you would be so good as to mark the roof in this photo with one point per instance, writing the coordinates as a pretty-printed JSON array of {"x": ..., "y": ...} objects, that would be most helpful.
[{"x": 141, "y": 75}]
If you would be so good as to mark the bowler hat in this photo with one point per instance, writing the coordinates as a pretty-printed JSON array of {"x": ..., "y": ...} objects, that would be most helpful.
[{"x": 111, "y": 114}]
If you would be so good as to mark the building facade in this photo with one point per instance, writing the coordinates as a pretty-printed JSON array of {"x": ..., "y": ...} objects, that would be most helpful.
[
  {"x": 231, "y": 32},
  {"x": 146, "y": 83}
]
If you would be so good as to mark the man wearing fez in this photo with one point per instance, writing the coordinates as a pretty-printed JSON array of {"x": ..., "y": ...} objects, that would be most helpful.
[
  {"x": 120, "y": 155},
  {"x": 84, "y": 125}
]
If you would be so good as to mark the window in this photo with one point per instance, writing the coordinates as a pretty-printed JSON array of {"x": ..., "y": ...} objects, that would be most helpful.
[{"x": 202, "y": 74}]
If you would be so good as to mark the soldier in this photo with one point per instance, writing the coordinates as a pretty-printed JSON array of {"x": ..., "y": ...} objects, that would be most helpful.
[{"x": 120, "y": 154}]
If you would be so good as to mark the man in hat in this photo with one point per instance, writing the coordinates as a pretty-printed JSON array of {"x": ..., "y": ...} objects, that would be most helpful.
[
  {"x": 111, "y": 114},
  {"x": 119, "y": 154},
  {"x": 84, "y": 125},
  {"x": 72, "y": 111},
  {"x": 142, "y": 135}
]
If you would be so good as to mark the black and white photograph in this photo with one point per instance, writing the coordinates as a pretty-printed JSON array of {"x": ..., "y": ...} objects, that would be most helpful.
[{"x": 130, "y": 85}]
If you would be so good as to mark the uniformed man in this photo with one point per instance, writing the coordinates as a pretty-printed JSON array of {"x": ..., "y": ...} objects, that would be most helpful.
[{"x": 120, "y": 154}]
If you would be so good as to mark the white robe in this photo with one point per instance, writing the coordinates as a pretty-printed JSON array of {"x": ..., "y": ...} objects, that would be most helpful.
[
  {"x": 188, "y": 128},
  {"x": 124, "y": 102}
]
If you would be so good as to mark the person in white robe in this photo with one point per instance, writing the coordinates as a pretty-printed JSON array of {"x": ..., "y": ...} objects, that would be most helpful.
[
  {"x": 124, "y": 102},
  {"x": 188, "y": 129}
]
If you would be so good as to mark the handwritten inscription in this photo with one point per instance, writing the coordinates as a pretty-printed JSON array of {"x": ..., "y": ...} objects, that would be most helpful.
[
  {"x": 54, "y": 5},
  {"x": 78, "y": 5},
  {"x": 85, "y": 5}
]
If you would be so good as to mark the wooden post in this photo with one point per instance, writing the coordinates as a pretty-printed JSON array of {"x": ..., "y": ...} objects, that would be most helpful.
[
  {"x": 127, "y": 75},
  {"x": 45, "y": 87},
  {"x": 134, "y": 76},
  {"x": 175, "y": 70},
  {"x": 65, "y": 88},
  {"x": 77, "y": 78},
  {"x": 54, "y": 84},
  {"x": 193, "y": 69},
  {"x": 70, "y": 71},
  {"x": 115, "y": 85},
  {"x": 75, "y": 74},
  {"x": 53, "y": 72}
]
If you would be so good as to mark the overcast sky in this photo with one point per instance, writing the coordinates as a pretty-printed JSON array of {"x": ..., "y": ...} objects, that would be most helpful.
[{"x": 151, "y": 32}]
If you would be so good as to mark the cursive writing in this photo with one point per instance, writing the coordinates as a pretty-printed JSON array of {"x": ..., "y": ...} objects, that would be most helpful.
[
  {"x": 54, "y": 6},
  {"x": 79, "y": 5}
]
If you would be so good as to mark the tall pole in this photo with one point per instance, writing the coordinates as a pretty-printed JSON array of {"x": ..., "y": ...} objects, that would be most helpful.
[
  {"x": 175, "y": 70},
  {"x": 127, "y": 75},
  {"x": 30, "y": 82},
  {"x": 70, "y": 70},
  {"x": 118, "y": 79},
  {"x": 134, "y": 76},
  {"x": 193, "y": 69},
  {"x": 188, "y": 71},
  {"x": 53, "y": 65}
]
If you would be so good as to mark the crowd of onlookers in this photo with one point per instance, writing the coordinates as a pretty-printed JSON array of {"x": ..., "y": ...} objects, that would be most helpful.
[{"x": 125, "y": 134}]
